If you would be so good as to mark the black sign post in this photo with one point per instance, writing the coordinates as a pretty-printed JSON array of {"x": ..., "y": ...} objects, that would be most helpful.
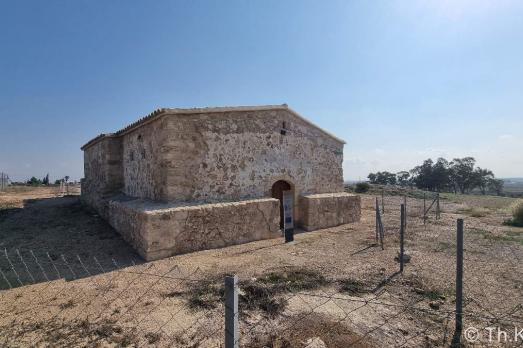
[{"x": 288, "y": 223}]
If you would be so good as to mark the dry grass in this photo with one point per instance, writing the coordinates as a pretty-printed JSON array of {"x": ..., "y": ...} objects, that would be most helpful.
[
  {"x": 282, "y": 285},
  {"x": 474, "y": 211},
  {"x": 256, "y": 294},
  {"x": 480, "y": 201},
  {"x": 517, "y": 214},
  {"x": 14, "y": 197},
  {"x": 353, "y": 287},
  {"x": 311, "y": 330},
  {"x": 77, "y": 333}
]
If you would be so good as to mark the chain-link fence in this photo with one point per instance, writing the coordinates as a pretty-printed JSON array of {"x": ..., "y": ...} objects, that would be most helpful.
[
  {"x": 489, "y": 254},
  {"x": 59, "y": 301},
  {"x": 4, "y": 181},
  {"x": 73, "y": 300}
]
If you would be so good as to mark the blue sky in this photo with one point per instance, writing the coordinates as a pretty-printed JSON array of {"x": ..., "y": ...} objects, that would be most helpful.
[{"x": 400, "y": 81}]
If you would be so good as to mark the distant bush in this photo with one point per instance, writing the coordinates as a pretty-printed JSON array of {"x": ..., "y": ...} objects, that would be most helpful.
[
  {"x": 34, "y": 182},
  {"x": 362, "y": 187},
  {"x": 478, "y": 212},
  {"x": 517, "y": 214},
  {"x": 517, "y": 211}
]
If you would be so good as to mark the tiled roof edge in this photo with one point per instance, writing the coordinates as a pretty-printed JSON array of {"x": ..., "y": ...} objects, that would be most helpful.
[{"x": 166, "y": 111}]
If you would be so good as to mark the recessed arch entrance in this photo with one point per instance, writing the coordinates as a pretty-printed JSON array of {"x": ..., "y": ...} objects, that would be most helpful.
[{"x": 277, "y": 191}]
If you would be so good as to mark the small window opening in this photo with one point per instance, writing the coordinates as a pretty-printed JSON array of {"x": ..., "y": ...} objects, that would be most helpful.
[
  {"x": 131, "y": 156},
  {"x": 283, "y": 130},
  {"x": 139, "y": 137}
]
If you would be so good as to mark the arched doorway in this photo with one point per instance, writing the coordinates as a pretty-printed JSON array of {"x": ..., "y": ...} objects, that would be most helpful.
[{"x": 277, "y": 192}]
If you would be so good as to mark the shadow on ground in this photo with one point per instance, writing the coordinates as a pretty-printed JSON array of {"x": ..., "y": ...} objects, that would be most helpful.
[{"x": 52, "y": 238}]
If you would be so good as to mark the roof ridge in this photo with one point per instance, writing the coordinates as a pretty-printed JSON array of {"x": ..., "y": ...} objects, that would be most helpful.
[{"x": 196, "y": 110}]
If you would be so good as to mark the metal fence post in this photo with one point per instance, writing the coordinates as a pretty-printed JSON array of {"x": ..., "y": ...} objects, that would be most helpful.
[
  {"x": 379, "y": 223},
  {"x": 459, "y": 285},
  {"x": 382, "y": 201},
  {"x": 3, "y": 181},
  {"x": 405, "y": 204},
  {"x": 424, "y": 207},
  {"x": 377, "y": 211},
  {"x": 402, "y": 233},
  {"x": 231, "y": 312},
  {"x": 437, "y": 207}
]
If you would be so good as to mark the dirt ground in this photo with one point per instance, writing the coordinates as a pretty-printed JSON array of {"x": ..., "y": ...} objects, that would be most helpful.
[{"x": 68, "y": 279}]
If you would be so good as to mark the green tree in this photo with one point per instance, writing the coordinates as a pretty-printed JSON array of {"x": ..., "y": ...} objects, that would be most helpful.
[
  {"x": 462, "y": 174},
  {"x": 382, "y": 178},
  {"x": 422, "y": 175},
  {"x": 361, "y": 187},
  {"x": 440, "y": 176},
  {"x": 45, "y": 180},
  {"x": 34, "y": 181},
  {"x": 495, "y": 185},
  {"x": 403, "y": 178},
  {"x": 481, "y": 179}
]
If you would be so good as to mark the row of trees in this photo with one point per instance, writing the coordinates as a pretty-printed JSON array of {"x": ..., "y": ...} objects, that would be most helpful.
[
  {"x": 34, "y": 181},
  {"x": 459, "y": 175}
]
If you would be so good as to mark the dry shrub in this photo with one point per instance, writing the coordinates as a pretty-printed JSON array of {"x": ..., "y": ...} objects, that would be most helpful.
[
  {"x": 517, "y": 214},
  {"x": 294, "y": 280},
  {"x": 256, "y": 294},
  {"x": 517, "y": 211},
  {"x": 362, "y": 187},
  {"x": 309, "y": 327},
  {"x": 479, "y": 212},
  {"x": 263, "y": 293},
  {"x": 353, "y": 287},
  {"x": 206, "y": 294},
  {"x": 473, "y": 211},
  {"x": 153, "y": 337},
  {"x": 75, "y": 333}
]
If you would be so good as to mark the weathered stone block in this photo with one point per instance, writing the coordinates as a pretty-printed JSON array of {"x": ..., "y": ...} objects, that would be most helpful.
[
  {"x": 158, "y": 230},
  {"x": 328, "y": 210}
]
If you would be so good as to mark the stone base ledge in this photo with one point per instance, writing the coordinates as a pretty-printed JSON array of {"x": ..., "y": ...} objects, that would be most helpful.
[
  {"x": 158, "y": 230},
  {"x": 325, "y": 210}
]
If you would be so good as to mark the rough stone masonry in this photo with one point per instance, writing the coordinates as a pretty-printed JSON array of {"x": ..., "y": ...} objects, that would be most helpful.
[{"x": 181, "y": 180}]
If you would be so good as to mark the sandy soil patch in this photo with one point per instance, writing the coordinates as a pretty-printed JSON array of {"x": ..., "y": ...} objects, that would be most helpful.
[{"x": 75, "y": 282}]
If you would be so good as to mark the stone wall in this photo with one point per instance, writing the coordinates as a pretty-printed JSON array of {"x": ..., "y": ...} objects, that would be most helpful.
[
  {"x": 239, "y": 155},
  {"x": 160, "y": 230},
  {"x": 103, "y": 165},
  {"x": 143, "y": 150},
  {"x": 231, "y": 156},
  {"x": 328, "y": 210},
  {"x": 103, "y": 172},
  {"x": 221, "y": 156}
]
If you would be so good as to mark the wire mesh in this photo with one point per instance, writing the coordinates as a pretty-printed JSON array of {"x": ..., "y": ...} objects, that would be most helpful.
[{"x": 67, "y": 300}]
